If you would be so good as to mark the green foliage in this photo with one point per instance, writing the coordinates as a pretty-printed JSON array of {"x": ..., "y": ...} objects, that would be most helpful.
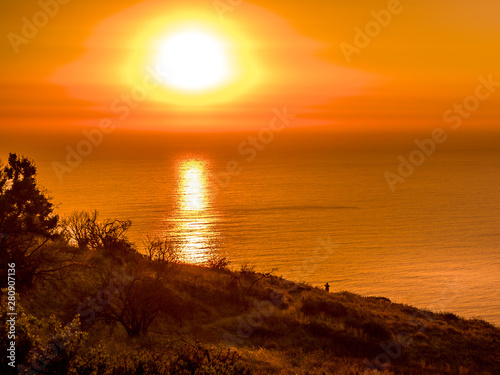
[
  {"x": 202, "y": 361},
  {"x": 187, "y": 359},
  {"x": 56, "y": 349},
  {"x": 28, "y": 329},
  {"x": 48, "y": 347},
  {"x": 93, "y": 361}
]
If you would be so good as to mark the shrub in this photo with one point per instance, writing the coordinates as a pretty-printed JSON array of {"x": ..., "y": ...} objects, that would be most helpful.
[
  {"x": 450, "y": 317},
  {"x": 137, "y": 304},
  {"x": 199, "y": 360},
  {"x": 27, "y": 333},
  {"x": 108, "y": 236},
  {"x": 75, "y": 229},
  {"x": 188, "y": 359},
  {"x": 217, "y": 261},
  {"x": 57, "y": 354}
]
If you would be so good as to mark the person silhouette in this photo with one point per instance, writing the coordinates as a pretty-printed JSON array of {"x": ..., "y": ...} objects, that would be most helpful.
[{"x": 327, "y": 287}]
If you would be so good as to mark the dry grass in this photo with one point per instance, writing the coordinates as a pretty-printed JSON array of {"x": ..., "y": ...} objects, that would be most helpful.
[{"x": 271, "y": 325}]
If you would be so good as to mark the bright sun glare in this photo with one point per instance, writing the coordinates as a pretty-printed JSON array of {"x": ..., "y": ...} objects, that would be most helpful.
[{"x": 194, "y": 60}]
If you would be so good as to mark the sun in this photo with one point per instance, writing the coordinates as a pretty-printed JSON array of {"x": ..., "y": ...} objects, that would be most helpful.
[{"x": 194, "y": 60}]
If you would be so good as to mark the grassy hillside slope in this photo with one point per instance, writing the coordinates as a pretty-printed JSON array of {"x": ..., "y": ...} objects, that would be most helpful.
[{"x": 130, "y": 315}]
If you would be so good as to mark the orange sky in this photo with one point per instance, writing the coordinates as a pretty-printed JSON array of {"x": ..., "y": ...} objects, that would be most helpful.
[{"x": 427, "y": 57}]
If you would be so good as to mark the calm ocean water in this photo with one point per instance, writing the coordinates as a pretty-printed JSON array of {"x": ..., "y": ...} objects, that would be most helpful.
[{"x": 432, "y": 243}]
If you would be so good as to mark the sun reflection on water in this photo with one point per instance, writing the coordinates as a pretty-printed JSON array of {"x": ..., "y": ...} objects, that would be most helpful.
[
  {"x": 194, "y": 219},
  {"x": 193, "y": 185}
]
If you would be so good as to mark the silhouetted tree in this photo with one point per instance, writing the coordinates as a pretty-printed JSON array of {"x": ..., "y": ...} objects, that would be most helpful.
[
  {"x": 108, "y": 235},
  {"x": 136, "y": 304},
  {"x": 27, "y": 221},
  {"x": 162, "y": 250},
  {"x": 76, "y": 226},
  {"x": 217, "y": 261},
  {"x": 88, "y": 232},
  {"x": 163, "y": 254}
]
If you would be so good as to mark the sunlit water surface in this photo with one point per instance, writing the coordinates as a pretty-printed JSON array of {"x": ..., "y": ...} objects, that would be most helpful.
[{"x": 433, "y": 243}]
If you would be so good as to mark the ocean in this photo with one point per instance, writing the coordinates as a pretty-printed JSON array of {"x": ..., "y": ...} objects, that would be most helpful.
[{"x": 314, "y": 210}]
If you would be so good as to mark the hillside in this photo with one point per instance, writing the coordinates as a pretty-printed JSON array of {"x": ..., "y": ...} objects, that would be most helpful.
[{"x": 150, "y": 316}]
